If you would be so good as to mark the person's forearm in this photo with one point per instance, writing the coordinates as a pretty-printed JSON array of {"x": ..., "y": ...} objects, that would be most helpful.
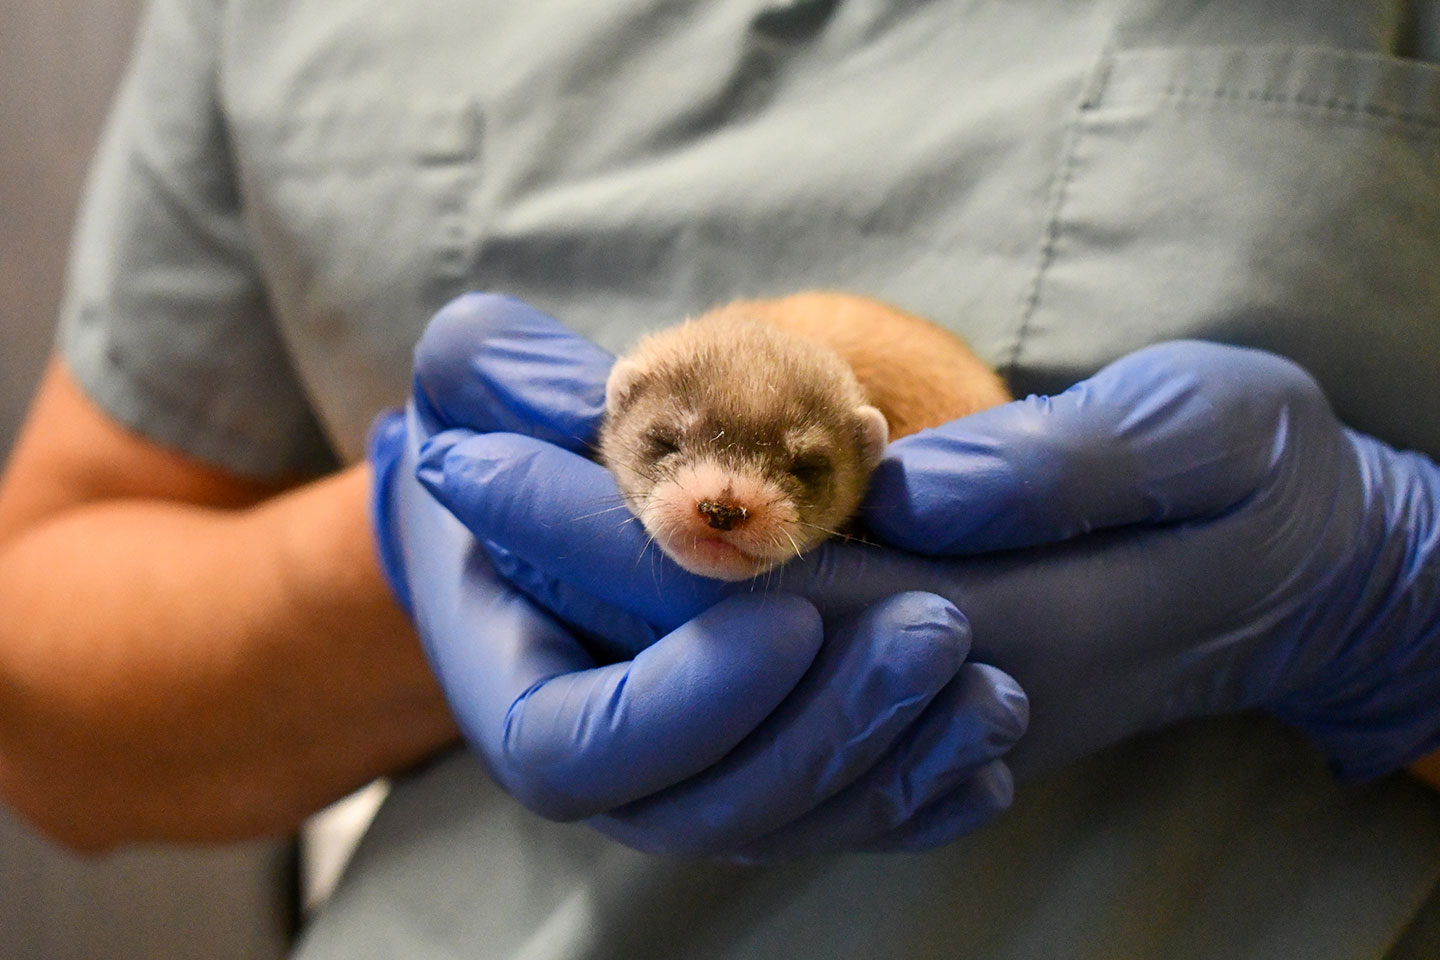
[{"x": 187, "y": 673}]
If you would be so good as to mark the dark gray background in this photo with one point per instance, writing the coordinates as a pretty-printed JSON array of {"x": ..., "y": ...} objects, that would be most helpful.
[{"x": 59, "y": 61}]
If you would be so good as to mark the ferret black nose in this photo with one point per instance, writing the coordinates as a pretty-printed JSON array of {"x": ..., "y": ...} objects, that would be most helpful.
[{"x": 722, "y": 516}]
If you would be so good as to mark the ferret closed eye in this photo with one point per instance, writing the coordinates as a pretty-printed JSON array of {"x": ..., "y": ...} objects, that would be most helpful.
[{"x": 745, "y": 437}]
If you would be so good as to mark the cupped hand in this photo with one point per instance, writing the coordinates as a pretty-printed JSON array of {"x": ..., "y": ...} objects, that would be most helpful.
[
  {"x": 1191, "y": 531},
  {"x": 749, "y": 729}
]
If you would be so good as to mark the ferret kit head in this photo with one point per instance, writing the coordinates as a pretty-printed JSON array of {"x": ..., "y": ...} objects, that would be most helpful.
[{"x": 738, "y": 445}]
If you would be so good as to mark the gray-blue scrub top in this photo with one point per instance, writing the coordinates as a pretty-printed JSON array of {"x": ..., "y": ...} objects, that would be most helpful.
[{"x": 289, "y": 188}]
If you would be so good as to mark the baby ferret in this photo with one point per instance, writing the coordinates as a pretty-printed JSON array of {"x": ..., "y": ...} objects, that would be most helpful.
[{"x": 746, "y": 436}]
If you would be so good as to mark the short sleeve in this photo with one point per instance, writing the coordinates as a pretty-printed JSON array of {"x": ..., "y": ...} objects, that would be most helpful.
[{"x": 165, "y": 321}]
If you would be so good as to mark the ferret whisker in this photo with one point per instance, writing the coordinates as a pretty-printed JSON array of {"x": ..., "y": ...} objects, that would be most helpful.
[
  {"x": 822, "y": 529},
  {"x": 588, "y": 516},
  {"x": 644, "y": 547},
  {"x": 838, "y": 535},
  {"x": 773, "y": 541}
]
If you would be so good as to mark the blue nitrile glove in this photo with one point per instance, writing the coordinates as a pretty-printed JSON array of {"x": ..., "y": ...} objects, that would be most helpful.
[
  {"x": 746, "y": 721},
  {"x": 1197, "y": 535}
]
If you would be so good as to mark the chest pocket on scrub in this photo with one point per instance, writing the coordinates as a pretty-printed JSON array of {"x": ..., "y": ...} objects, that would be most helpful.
[{"x": 1286, "y": 198}]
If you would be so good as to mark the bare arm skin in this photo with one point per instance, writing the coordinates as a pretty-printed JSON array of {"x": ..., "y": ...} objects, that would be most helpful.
[{"x": 186, "y": 654}]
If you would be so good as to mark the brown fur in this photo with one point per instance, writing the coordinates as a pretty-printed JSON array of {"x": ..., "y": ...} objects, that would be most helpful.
[
  {"x": 919, "y": 374},
  {"x": 747, "y": 435}
]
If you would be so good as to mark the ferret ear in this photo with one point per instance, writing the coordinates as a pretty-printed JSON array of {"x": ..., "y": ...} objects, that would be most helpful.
[
  {"x": 874, "y": 433},
  {"x": 623, "y": 377}
]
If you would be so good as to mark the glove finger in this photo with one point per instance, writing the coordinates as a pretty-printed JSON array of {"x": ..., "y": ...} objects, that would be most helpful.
[
  {"x": 972, "y": 723},
  {"x": 493, "y": 363},
  {"x": 555, "y": 511},
  {"x": 873, "y": 678},
  {"x": 611, "y": 632},
  {"x": 563, "y": 513},
  {"x": 578, "y": 742},
  {"x": 385, "y": 447},
  {"x": 966, "y": 809},
  {"x": 1168, "y": 433},
  {"x": 610, "y": 605}
]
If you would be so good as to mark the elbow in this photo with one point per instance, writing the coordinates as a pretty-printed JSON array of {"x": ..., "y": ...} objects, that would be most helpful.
[
  {"x": 46, "y": 786},
  {"x": 92, "y": 808},
  {"x": 34, "y": 797}
]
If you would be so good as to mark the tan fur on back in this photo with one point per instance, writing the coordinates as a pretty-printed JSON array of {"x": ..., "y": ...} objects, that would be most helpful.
[{"x": 919, "y": 374}]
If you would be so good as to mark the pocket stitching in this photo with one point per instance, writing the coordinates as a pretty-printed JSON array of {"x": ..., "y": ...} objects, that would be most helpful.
[
  {"x": 1095, "y": 81},
  {"x": 1330, "y": 104}
]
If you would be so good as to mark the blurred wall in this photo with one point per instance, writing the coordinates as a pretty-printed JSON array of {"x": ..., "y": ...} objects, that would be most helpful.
[{"x": 59, "y": 62}]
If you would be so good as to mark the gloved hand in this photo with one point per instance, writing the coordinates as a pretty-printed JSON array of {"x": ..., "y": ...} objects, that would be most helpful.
[
  {"x": 1189, "y": 532},
  {"x": 748, "y": 730}
]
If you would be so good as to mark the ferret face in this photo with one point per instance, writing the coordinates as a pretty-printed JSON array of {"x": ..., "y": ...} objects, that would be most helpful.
[{"x": 732, "y": 478}]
